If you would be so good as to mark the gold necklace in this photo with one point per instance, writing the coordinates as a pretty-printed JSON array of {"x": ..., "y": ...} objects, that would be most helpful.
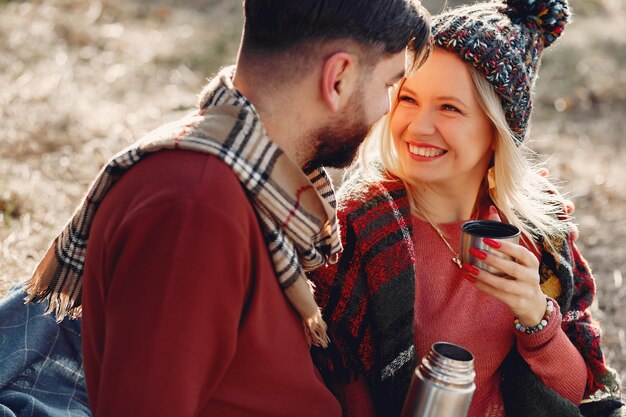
[{"x": 456, "y": 255}]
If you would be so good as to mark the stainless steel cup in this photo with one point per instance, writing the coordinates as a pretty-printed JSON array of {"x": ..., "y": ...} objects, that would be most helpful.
[
  {"x": 472, "y": 234},
  {"x": 443, "y": 383}
]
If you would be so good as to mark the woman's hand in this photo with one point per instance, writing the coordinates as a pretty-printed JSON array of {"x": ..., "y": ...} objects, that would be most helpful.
[{"x": 519, "y": 289}]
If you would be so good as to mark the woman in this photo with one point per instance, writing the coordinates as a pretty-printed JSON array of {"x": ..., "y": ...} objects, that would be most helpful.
[{"x": 452, "y": 150}]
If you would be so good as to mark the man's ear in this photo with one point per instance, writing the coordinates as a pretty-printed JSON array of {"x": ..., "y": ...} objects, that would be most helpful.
[{"x": 339, "y": 75}]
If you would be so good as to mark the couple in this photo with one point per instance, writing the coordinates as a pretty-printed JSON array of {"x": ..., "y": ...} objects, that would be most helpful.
[{"x": 188, "y": 259}]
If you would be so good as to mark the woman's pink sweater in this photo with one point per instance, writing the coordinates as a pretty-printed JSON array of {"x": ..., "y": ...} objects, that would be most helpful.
[{"x": 449, "y": 308}]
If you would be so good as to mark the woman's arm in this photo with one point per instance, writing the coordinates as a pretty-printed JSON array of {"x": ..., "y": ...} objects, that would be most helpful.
[
  {"x": 554, "y": 358},
  {"x": 547, "y": 350}
]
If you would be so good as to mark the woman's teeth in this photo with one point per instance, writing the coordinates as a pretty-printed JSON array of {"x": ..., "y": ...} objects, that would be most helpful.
[{"x": 428, "y": 152}]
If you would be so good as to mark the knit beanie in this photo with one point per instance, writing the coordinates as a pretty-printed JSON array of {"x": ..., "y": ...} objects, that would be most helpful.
[{"x": 503, "y": 40}]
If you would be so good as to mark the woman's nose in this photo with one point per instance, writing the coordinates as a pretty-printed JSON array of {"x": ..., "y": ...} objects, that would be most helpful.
[{"x": 422, "y": 123}]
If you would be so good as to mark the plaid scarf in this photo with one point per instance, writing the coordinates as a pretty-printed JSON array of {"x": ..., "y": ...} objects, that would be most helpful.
[
  {"x": 296, "y": 211},
  {"x": 368, "y": 300}
]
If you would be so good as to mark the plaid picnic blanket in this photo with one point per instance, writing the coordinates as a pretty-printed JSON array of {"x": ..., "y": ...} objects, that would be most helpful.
[{"x": 41, "y": 362}]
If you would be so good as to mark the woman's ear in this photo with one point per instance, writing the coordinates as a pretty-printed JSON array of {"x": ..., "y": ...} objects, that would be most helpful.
[
  {"x": 339, "y": 75},
  {"x": 494, "y": 138}
]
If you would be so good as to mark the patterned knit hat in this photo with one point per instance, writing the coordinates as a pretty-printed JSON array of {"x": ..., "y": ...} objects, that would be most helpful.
[{"x": 503, "y": 40}]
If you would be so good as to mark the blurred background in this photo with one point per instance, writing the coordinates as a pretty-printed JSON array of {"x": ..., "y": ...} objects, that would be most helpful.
[{"x": 81, "y": 79}]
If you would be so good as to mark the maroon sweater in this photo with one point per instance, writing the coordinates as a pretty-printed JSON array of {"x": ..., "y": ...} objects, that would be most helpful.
[{"x": 182, "y": 311}]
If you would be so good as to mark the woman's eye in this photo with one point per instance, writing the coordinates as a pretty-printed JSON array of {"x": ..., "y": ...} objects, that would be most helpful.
[
  {"x": 406, "y": 99},
  {"x": 450, "y": 107}
]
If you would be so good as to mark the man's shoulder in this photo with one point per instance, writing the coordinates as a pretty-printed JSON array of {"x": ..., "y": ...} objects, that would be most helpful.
[{"x": 168, "y": 176}]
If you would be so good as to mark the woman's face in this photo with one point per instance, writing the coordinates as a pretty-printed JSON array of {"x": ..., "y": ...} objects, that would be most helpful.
[{"x": 442, "y": 135}]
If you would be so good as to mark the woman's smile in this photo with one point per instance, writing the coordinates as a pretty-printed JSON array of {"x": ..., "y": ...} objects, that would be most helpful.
[
  {"x": 425, "y": 152},
  {"x": 440, "y": 131}
]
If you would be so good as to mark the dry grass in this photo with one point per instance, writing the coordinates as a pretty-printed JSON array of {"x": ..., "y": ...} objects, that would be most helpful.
[{"x": 81, "y": 79}]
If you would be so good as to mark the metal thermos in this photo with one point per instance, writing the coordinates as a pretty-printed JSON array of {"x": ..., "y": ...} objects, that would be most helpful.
[
  {"x": 472, "y": 234},
  {"x": 443, "y": 383}
]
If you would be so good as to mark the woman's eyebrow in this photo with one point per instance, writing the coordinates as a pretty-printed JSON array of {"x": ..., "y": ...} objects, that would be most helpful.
[
  {"x": 441, "y": 98},
  {"x": 450, "y": 98}
]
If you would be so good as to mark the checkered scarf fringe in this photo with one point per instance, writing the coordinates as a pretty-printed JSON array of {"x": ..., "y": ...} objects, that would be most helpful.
[{"x": 296, "y": 210}]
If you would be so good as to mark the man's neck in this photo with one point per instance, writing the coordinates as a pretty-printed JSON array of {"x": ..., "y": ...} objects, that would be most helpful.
[{"x": 282, "y": 116}]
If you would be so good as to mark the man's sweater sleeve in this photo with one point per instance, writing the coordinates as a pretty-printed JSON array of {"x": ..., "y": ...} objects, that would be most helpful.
[{"x": 180, "y": 281}]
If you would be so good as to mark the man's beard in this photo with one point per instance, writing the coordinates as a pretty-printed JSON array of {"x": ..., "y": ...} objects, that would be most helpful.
[{"x": 337, "y": 143}]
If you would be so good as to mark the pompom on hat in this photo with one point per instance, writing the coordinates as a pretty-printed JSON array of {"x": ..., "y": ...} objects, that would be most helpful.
[{"x": 503, "y": 40}]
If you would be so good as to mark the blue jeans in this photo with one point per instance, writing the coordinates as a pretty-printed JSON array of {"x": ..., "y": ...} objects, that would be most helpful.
[{"x": 41, "y": 362}]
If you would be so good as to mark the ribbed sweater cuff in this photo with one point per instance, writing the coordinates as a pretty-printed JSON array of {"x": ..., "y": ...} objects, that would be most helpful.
[
  {"x": 539, "y": 339},
  {"x": 547, "y": 350}
]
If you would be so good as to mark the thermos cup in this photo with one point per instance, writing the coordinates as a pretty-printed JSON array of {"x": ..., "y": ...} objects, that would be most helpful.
[
  {"x": 443, "y": 383},
  {"x": 472, "y": 234}
]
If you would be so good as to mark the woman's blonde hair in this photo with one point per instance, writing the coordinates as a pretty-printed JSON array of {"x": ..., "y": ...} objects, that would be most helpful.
[{"x": 523, "y": 197}]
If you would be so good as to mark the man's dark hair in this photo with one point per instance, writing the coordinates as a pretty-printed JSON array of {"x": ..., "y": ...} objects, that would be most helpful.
[{"x": 274, "y": 26}]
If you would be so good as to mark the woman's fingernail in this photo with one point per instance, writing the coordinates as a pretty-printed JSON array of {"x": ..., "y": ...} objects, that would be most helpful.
[
  {"x": 471, "y": 269},
  {"x": 469, "y": 278},
  {"x": 492, "y": 243},
  {"x": 493, "y": 210},
  {"x": 478, "y": 253}
]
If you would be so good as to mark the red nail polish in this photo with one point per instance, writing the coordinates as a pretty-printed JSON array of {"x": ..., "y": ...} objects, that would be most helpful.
[
  {"x": 470, "y": 269},
  {"x": 469, "y": 278},
  {"x": 492, "y": 243},
  {"x": 478, "y": 253},
  {"x": 493, "y": 210}
]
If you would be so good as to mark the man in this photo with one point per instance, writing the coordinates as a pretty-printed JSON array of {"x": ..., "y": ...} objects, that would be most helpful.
[{"x": 188, "y": 263}]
